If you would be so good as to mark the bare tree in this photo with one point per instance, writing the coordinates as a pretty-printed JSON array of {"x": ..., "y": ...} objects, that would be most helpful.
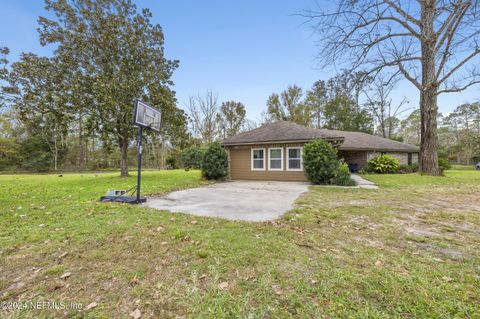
[
  {"x": 203, "y": 113},
  {"x": 381, "y": 105},
  {"x": 434, "y": 44}
]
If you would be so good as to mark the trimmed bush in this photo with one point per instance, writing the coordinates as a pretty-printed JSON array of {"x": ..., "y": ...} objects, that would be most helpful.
[
  {"x": 444, "y": 164},
  {"x": 343, "y": 177},
  {"x": 383, "y": 164},
  {"x": 320, "y": 162},
  {"x": 192, "y": 157},
  {"x": 215, "y": 162}
]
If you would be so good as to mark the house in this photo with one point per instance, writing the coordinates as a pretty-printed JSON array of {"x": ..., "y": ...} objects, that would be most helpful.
[{"x": 274, "y": 151}]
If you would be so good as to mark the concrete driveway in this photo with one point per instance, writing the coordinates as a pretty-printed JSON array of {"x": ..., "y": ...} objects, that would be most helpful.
[{"x": 236, "y": 200}]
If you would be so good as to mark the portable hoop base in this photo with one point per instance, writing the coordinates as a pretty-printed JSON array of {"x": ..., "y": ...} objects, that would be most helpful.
[{"x": 123, "y": 199}]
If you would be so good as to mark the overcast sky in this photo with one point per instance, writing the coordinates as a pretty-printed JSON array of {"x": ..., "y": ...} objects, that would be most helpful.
[{"x": 243, "y": 50}]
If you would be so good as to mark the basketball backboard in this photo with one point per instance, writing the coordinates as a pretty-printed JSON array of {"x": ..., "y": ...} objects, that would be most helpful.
[{"x": 146, "y": 116}]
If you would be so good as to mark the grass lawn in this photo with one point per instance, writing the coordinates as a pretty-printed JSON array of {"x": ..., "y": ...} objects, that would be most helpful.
[{"x": 407, "y": 250}]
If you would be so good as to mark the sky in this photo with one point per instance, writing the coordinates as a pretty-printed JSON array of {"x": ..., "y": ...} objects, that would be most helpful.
[{"x": 242, "y": 50}]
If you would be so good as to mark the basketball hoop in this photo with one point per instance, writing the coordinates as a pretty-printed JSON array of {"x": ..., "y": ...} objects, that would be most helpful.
[{"x": 144, "y": 116}]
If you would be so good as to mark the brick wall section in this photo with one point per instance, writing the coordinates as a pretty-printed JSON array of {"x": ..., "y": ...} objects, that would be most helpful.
[
  {"x": 400, "y": 156},
  {"x": 354, "y": 157},
  {"x": 361, "y": 158}
]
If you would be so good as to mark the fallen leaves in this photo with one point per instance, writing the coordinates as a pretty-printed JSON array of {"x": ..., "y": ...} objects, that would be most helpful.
[
  {"x": 65, "y": 275},
  {"x": 63, "y": 255},
  {"x": 57, "y": 285},
  {"x": 91, "y": 305},
  {"x": 447, "y": 279},
  {"x": 136, "y": 314},
  {"x": 223, "y": 285},
  {"x": 134, "y": 281},
  {"x": 277, "y": 289}
]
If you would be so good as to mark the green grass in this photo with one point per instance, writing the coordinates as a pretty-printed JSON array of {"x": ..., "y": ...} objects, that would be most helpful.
[
  {"x": 406, "y": 250},
  {"x": 463, "y": 167}
]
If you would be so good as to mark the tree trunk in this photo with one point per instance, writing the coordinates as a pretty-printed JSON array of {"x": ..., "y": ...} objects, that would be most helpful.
[
  {"x": 429, "y": 138},
  {"x": 428, "y": 94},
  {"x": 124, "y": 160}
]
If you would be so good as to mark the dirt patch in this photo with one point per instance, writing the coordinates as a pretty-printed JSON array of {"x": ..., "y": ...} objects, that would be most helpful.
[
  {"x": 447, "y": 252},
  {"x": 421, "y": 232}
]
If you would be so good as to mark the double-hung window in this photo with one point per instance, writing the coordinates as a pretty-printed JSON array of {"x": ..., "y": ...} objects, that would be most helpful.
[
  {"x": 294, "y": 159},
  {"x": 258, "y": 159},
  {"x": 275, "y": 159}
]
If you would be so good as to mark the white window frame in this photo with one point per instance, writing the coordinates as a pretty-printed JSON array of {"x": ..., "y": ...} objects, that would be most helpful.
[
  {"x": 288, "y": 159},
  {"x": 264, "y": 159},
  {"x": 281, "y": 159}
]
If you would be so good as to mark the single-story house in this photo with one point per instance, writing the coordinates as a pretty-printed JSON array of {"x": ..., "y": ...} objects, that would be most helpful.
[{"x": 274, "y": 151}]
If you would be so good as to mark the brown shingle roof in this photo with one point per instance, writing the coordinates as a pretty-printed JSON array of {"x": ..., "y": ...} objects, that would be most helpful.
[
  {"x": 280, "y": 131},
  {"x": 283, "y": 131},
  {"x": 364, "y": 141}
]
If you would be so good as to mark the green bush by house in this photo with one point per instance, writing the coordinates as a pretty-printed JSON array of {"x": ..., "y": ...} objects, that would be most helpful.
[
  {"x": 343, "y": 177},
  {"x": 192, "y": 157},
  {"x": 215, "y": 162},
  {"x": 322, "y": 166},
  {"x": 383, "y": 164}
]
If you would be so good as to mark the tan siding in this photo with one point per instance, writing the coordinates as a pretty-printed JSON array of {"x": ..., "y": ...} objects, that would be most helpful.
[{"x": 240, "y": 165}]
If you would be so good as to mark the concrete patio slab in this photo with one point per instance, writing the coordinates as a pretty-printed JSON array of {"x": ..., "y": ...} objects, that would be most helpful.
[{"x": 236, "y": 200}]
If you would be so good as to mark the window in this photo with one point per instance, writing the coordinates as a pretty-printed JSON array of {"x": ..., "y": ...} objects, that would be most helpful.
[
  {"x": 409, "y": 158},
  {"x": 258, "y": 159},
  {"x": 275, "y": 159},
  {"x": 294, "y": 157}
]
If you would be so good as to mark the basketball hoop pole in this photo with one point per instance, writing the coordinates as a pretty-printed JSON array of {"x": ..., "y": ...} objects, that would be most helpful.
[{"x": 139, "y": 160}]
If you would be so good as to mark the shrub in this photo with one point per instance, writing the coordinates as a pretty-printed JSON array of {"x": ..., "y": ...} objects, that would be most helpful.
[
  {"x": 444, "y": 164},
  {"x": 320, "y": 162},
  {"x": 192, "y": 157},
  {"x": 383, "y": 164},
  {"x": 215, "y": 162},
  {"x": 407, "y": 169},
  {"x": 342, "y": 177},
  {"x": 171, "y": 161}
]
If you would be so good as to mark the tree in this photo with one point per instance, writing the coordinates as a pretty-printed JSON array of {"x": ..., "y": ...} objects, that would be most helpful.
[
  {"x": 289, "y": 106},
  {"x": 381, "y": 105},
  {"x": 34, "y": 86},
  {"x": 4, "y": 51},
  {"x": 203, "y": 115},
  {"x": 433, "y": 44},
  {"x": 410, "y": 128},
  {"x": 462, "y": 123},
  {"x": 231, "y": 118},
  {"x": 344, "y": 109},
  {"x": 118, "y": 53},
  {"x": 340, "y": 114},
  {"x": 316, "y": 100}
]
